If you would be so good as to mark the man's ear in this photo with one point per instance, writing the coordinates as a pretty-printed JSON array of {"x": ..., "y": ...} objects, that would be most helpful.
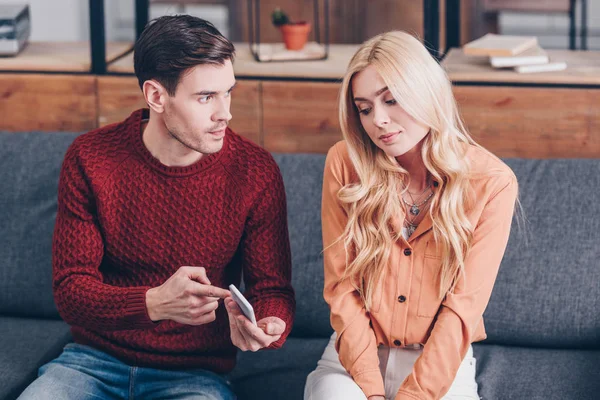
[{"x": 155, "y": 95}]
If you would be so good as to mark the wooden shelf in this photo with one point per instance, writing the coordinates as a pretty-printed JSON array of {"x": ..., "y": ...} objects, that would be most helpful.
[
  {"x": 301, "y": 116},
  {"x": 527, "y": 5},
  {"x": 245, "y": 66},
  {"x": 583, "y": 68},
  {"x": 58, "y": 57}
]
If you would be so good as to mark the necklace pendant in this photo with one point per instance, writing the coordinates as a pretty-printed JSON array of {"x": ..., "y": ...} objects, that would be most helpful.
[
  {"x": 410, "y": 230},
  {"x": 414, "y": 210}
]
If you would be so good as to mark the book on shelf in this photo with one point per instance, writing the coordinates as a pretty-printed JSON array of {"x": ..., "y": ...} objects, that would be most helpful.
[
  {"x": 522, "y": 54},
  {"x": 549, "y": 67},
  {"x": 15, "y": 28},
  {"x": 499, "y": 45},
  {"x": 533, "y": 56}
]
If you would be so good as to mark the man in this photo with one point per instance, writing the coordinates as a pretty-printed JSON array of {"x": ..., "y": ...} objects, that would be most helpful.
[{"x": 157, "y": 215}]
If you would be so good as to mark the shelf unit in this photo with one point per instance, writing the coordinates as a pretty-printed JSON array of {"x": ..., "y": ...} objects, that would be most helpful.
[{"x": 292, "y": 106}]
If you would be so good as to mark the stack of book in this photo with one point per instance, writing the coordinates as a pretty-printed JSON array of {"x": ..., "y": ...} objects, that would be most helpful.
[
  {"x": 521, "y": 53},
  {"x": 14, "y": 28}
]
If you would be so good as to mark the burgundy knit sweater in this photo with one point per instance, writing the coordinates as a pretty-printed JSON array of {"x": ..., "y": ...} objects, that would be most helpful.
[{"x": 126, "y": 223}]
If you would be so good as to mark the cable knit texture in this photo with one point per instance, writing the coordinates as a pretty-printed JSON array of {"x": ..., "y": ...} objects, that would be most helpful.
[{"x": 126, "y": 223}]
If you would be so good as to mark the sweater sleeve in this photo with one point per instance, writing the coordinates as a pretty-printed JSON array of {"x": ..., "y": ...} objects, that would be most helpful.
[
  {"x": 266, "y": 257},
  {"x": 461, "y": 311},
  {"x": 81, "y": 296},
  {"x": 356, "y": 343}
]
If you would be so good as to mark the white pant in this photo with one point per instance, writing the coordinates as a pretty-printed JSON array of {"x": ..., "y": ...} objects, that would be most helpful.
[{"x": 331, "y": 381}]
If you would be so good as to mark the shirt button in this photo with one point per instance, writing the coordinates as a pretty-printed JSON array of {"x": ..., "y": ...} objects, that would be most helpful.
[
  {"x": 401, "y": 299},
  {"x": 407, "y": 252},
  {"x": 397, "y": 342}
]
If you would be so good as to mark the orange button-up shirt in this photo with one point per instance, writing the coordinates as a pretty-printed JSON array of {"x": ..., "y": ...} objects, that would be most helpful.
[{"x": 446, "y": 327}]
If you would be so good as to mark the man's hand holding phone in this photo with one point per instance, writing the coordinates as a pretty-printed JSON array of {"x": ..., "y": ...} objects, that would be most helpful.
[
  {"x": 246, "y": 334},
  {"x": 186, "y": 297}
]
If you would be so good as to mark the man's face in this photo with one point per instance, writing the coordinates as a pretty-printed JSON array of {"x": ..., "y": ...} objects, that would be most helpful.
[{"x": 198, "y": 113}]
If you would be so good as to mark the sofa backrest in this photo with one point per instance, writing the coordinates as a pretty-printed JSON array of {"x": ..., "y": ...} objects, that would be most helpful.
[
  {"x": 548, "y": 290},
  {"x": 29, "y": 167},
  {"x": 303, "y": 180}
]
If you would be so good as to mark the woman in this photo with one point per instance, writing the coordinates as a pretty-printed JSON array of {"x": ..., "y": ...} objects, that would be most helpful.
[{"x": 416, "y": 217}]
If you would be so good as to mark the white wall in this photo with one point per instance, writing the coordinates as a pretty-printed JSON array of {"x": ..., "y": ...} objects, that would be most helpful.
[
  {"x": 552, "y": 30},
  {"x": 68, "y": 20},
  {"x": 57, "y": 20},
  {"x": 120, "y": 24}
]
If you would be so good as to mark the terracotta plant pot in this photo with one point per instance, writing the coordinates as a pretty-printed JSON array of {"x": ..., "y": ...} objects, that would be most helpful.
[{"x": 295, "y": 35}]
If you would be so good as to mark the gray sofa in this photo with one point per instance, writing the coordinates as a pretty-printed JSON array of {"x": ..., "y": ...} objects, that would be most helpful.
[{"x": 543, "y": 320}]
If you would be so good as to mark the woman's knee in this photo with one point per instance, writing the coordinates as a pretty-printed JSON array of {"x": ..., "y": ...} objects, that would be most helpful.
[{"x": 331, "y": 385}]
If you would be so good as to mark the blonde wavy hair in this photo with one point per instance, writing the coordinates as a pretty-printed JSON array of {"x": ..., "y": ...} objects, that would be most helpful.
[{"x": 421, "y": 87}]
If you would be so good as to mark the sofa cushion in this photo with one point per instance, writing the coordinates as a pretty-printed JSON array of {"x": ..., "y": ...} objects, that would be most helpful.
[
  {"x": 303, "y": 180},
  {"x": 277, "y": 374},
  {"x": 505, "y": 372},
  {"x": 26, "y": 345},
  {"x": 547, "y": 292},
  {"x": 30, "y": 165}
]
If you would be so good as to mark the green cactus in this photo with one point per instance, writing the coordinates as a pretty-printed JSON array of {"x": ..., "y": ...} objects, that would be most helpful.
[{"x": 279, "y": 17}]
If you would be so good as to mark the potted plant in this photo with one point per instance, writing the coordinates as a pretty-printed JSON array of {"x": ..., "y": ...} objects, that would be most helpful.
[{"x": 295, "y": 34}]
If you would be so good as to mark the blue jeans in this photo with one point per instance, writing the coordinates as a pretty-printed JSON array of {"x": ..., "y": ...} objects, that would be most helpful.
[{"x": 82, "y": 372}]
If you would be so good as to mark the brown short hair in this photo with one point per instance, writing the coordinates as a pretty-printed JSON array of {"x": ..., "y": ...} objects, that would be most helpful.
[{"x": 170, "y": 45}]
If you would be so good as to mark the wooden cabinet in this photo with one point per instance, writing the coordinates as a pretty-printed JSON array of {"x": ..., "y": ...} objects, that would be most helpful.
[
  {"x": 118, "y": 96},
  {"x": 36, "y": 102},
  {"x": 246, "y": 107},
  {"x": 292, "y": 106},
  {"x": 532, "y": 122},
  {"x": 300, "y": 117},
  {"x": 543, "y": 115}
]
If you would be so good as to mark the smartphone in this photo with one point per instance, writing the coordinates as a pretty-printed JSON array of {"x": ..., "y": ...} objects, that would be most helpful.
[{"x": 244, "y": 304}]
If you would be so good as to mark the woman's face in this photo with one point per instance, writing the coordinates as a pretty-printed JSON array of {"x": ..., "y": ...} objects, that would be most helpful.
[{"x": 386, "y": 123}]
